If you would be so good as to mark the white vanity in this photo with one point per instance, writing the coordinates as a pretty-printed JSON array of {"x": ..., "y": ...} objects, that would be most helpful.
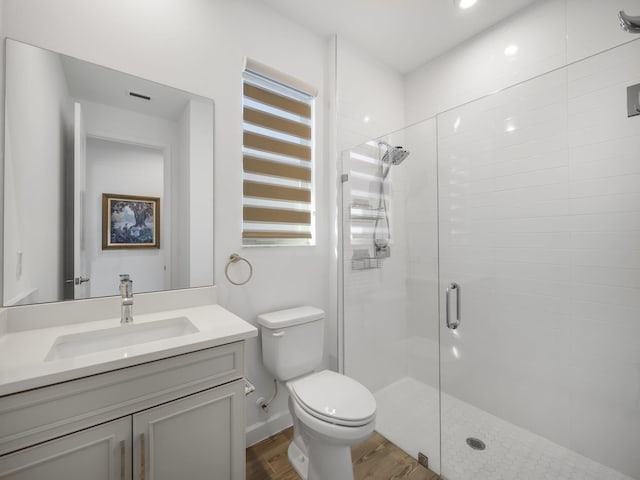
[{"x": 94, "y": 400}]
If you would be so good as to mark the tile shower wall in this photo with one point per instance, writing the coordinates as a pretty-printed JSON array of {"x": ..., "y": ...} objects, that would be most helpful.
[
  {"x": 369, "y": 104},
  {"x": 604, "y": 208},
  {"x": 375, "y": 295},
  {"x": 592, "y": 26},
  {"x": 479, "y": 66},
  {"x": 417, "y": 188},
  {"x": 539, "y": 222},
  {"x": 548, "y": 34}
]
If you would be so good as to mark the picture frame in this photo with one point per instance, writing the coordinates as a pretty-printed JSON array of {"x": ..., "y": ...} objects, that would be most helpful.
[{"x": 130, "y": 222}]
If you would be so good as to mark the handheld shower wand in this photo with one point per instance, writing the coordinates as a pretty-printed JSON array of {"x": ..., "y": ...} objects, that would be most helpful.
[{"x": 381, "y": 229}]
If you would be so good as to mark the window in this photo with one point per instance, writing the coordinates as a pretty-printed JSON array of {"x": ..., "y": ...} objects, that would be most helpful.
[{"x": 277, "y": 155}]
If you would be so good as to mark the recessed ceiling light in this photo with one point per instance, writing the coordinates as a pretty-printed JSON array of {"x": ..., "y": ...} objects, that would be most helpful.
[
  {"x": 511, "y": 50},
  {"x": 464, "y": 4}
]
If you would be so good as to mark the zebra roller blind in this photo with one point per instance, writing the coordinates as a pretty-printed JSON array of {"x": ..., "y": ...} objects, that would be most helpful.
[{"x": 277, "y": 155}]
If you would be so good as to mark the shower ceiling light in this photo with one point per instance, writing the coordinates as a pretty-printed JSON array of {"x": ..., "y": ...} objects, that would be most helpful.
[{"x": 464, "y": 4}]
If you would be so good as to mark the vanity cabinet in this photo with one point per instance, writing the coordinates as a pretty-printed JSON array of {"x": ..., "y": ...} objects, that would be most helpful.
[{"x": 179, "y": 417}]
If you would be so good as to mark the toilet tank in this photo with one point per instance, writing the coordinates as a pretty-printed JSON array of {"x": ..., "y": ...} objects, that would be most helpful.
[{"x": 292, "y": 341}]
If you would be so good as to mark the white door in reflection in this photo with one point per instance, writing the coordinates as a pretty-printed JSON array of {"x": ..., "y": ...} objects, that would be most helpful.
[{"x": 81, "y": 274}]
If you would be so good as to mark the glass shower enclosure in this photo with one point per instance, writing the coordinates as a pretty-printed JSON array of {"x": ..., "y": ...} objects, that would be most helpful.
[
  {"x": 390, "y": 284},
  {"x": 491, "y": 279}
]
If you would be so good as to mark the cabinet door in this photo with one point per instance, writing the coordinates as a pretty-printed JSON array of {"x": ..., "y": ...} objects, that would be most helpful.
[
  {"x": 199, "y": 437},
  {"x": 98, "y": 453}
]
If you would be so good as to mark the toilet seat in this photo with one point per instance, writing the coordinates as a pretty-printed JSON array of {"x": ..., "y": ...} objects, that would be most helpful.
[{"x": 334, "y": 398}]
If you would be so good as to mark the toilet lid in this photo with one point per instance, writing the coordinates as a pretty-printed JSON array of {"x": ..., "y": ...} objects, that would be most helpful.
[{"x": 334, "y": 398}]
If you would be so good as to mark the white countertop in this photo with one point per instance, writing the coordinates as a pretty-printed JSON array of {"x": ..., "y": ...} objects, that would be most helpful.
[{"x": 22, "y": 353}]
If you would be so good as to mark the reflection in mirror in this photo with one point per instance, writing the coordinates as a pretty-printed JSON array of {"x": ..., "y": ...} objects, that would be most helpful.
[{"x": 75, "y": 131}]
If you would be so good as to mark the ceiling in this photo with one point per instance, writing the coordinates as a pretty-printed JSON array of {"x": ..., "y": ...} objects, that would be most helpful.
[{"x": 404, "y": 34}]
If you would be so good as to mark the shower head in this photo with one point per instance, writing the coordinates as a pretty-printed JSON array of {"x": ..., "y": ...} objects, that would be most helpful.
[
  {"x": 628, "y": 23},
  {"x": 394, "y": 155}
]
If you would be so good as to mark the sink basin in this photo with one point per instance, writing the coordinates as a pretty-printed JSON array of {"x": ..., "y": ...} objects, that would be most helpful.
[{"x": 76, "y": 344}]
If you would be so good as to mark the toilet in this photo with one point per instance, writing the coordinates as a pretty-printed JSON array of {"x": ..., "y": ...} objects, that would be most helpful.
[{"x": 330, "y": 411}]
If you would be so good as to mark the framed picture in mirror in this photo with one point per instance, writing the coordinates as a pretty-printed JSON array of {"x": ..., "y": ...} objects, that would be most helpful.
[{"x": 130, "y": 221}]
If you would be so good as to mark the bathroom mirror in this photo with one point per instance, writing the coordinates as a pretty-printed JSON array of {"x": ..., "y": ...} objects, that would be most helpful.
[{"x": 97, "y": 157}]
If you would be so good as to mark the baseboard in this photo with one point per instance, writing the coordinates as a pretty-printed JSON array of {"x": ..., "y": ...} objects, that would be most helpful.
[{"x": 261, "y": 430}]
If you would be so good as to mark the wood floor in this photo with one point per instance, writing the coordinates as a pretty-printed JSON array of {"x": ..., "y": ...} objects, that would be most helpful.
[{"x": 374, "y": 459}]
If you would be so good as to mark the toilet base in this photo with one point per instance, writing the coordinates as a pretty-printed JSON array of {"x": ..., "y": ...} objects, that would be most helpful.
[
  {"x": 316, "y": 457},
  {"x": 298, "y": 460},
  {"x": 328, "y": 462}
]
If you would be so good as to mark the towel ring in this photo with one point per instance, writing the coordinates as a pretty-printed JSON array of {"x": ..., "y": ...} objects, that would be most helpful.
[{"x": 235, "y": 258}]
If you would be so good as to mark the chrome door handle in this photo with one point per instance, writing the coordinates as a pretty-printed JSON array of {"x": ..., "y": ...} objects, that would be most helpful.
[{"x": 453, "y": 287}]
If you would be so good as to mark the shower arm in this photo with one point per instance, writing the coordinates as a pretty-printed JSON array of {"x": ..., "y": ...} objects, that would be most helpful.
[{"x": 629, "y": 23}]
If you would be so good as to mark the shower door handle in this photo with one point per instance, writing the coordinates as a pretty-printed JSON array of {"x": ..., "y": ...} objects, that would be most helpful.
[{"x": 452, "y": 288}]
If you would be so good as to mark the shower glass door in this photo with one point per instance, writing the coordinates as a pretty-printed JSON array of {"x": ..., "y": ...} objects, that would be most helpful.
[
  {"x": 390, "y": 283},
  {"x": 539, "y": 227}
]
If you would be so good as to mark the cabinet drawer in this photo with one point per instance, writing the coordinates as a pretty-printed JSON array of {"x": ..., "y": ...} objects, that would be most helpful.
[{"x": 38, "y": 415}]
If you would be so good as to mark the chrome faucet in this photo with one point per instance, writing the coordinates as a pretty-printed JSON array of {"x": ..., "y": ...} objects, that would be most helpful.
[{"x": 126, "y": 292}]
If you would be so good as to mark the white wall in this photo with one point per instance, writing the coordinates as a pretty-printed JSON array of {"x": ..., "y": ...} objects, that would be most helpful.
[
  {"x": 199, "y": 46},
  {"x": 370, "y": 96},
  {"x": 35, "y": 109},
  {"x": 120, "y": 168},
  {"x": 129, "y": 127},
  {"x": 2, "y": 114}
]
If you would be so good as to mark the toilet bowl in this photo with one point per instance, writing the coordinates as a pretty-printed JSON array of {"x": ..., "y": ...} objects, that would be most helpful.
[{"x": 330, "y": 411}]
